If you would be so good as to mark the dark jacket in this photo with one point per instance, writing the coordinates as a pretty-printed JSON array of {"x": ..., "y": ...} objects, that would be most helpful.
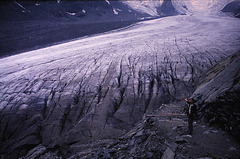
[{"x": 191, "y": 112}]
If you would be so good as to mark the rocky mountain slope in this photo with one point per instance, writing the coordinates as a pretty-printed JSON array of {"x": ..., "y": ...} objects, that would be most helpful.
[
  {"x": 32, "y": 25},
  {"x": 105, "y": 10},
  {"x": 219, "y": 93},
  {"x": 36, "y": 24},
  {"x": 68, "y": 10},
  {"x": 233, "y": 7}
]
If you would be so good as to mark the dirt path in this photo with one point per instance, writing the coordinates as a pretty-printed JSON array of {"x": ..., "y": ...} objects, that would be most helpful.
[{"x": 206, "y": 142}]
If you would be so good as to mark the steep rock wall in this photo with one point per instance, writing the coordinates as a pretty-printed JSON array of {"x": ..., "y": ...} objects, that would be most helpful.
[{"x": 218, "y": 95}]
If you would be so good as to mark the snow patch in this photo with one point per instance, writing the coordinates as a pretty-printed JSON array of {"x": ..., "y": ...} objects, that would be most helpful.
[
  {"x": 147, "y": 7},
  {"x": 107, "y": 2},
  {"x": 143, "y": 18},
  {"x": 71, "y": 13},
  {"x": 119, "y": 10},
  {"x": 23, "y": 106},
  {"x": 25, "y": 10},
  {"x": 115, "y": 11}
]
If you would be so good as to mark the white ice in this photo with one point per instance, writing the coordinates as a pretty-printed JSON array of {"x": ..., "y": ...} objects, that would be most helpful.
[{"x": 205, "y": 37}]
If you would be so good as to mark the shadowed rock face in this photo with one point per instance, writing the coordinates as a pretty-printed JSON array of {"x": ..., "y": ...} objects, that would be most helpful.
[
  {"x": 233, "y": 7},
  {"x": 35, "y": 24},
  {"x": 167, "y": 8},
  {"x": 77, "y": 10},
  {"x": 224, "y": 112},
  {"x": 218, "y": 95}
]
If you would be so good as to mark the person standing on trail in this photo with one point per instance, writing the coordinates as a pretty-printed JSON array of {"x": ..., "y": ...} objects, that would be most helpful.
[{"x": 191, "y": 113}]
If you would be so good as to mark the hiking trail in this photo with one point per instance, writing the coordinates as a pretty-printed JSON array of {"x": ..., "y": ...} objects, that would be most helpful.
[{"x": 206, "y": 142}]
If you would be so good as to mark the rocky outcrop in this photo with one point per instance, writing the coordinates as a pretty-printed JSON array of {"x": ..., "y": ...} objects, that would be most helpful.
[
  {"x": 224, "y": 112},
  {"x": 233, "y": 7},
  {"x": 218, "y": 95},
  {"x": 144, "y": 140},
  {"x": 167, "y": 8}
]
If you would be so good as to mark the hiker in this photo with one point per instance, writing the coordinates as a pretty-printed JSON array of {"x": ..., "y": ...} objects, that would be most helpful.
[{"x": 191, "y": 113}]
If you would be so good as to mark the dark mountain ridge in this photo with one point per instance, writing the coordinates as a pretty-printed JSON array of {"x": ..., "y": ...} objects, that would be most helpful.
[
  {"x": 36, "y": 24},
  {"x": 233, "y": 7},
  {"x": 64, "y": 10}
]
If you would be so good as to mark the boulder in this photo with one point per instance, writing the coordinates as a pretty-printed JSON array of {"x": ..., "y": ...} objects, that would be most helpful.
[{"x": 168, "y": 154}]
